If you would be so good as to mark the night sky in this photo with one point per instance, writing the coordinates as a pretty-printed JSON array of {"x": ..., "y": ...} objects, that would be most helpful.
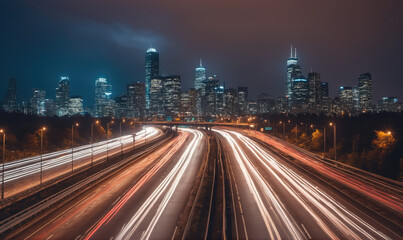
[{"x": 243, "y": 42}]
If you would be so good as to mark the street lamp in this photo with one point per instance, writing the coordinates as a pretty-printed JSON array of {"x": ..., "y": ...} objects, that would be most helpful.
[
  {"x": 251, "y": 126},
  {"x": 120, "y": 139},
  {"x": 3, "y": 160},
  {"x": 72, "y": 145},
  {"x": 283, "y": 128},
  {"x": 42, "y": 130},
  {"x": 334, "y": 134},
  {"x": 92, "y": 141},
  {"x": 107, "y": 138}
]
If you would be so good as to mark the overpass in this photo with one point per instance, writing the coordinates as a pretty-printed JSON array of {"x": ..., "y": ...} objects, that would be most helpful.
[{"x": 206, "y": 125}]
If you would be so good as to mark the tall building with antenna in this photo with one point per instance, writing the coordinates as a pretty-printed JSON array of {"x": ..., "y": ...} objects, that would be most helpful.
[
  {"x": 293, "y": 70},
  {"x": 200, "y": 86}
]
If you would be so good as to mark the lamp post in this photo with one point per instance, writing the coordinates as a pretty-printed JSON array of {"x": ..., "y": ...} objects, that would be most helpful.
[
  {"x": 42, "y": 130},
  {"x": 3, "y": 161},
  {"x": 334, "y": 140},
  {"x": 120, "y": 129},
  {"x": 283, "y": 128},
  {"x": 72, "y": 146},
  {"x": 324, "y": 141},
  {"x": 92, "y": 141},
  {"x": 107, "y": 140}
]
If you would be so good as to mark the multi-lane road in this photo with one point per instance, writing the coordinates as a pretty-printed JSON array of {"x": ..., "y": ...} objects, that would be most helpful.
[
  {"x": 25, "y": 173},
  {"x": 141, "y": 201},
  {"x": 266, "y": 195},
  {"x": 273, "y": 199}
]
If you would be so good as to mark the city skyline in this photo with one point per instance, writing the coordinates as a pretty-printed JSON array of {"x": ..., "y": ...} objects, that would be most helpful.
[
  {"x": 161, "y": 96},
  {"x": 118, "y": 55}
]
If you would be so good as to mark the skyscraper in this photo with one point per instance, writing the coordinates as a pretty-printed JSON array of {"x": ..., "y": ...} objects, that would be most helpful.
[
  {"x": 293, "y": 69},
  {"x": 389, "y": 104},
  {"x": 188, "y": 103},
  {"x": 265, "y": 104},
  {"x": 314, "y": 90},
  {"x": 324, "y": 90},
  {"x": 211, "y": 96},
  {"x": 242, "y": 96},
  {"x": 230, "y": 102},
  {"x": 63, "y": 96},
  {"x": 356, "y": 98},
  {"x": 103, "y": 102},
  {"x": 136, "y": 101},
  {"x": 152, "y": 71},
  {"x": 121, "y": 106},
  {"x": 10, "y": 100},
  {"x": 76, "y": 105},
  {"x": 200, "y": 86},
  {"x": 172, "y": 90},
  {"x": 156, "y": 107},
  {"x": 300, "y": 93},
  {"x": 200, "y": 77},
  {"x": 37, "y": 102},
  {"x": 219, "y": 101},
  {"x": 346, "y": 99},
  {"x": 365, "y": 91}
]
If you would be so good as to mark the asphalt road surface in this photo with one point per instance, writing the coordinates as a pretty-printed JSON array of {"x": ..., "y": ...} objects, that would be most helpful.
[
  {"x": 142, "y": 201},
  {"x": 273, "y": 199},
  {"x": 24, "y": 174}
]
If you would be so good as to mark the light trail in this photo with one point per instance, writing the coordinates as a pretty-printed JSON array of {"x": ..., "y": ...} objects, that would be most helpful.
[
  {"x": 375, "y": 193},
  {"x": 324, "y": 210},
  {"x": 159, "y": 198},
  {"x": 26, "y": 168},
  {"x": 250, "y": 173}
]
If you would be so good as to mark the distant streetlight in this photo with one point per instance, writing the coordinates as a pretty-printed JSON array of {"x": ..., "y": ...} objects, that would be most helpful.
[
  {"x": 324, "y": 141},
  {"x": 72, "y": 145},
  {"x": 334, "y": 135},
  {"x": 389, "y": 133},
  {"x": 283, "y": 128},
  {"x": 3, "y": 160},
  {"x": 107, "y": 140},
  {"x": 42, "y": 130},
  {"x": 92, "y": 141},
  {"x": 120, "y": 139}
]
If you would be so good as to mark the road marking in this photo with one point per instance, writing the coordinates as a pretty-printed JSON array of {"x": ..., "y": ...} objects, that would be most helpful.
[
  {"x": 77, "y": 237},
  {"x": 173, "y": 235},
  {"x": 116, "y": 200},
  {"x": 307, "y": 233},
  {"x": 49, "y": 237}
]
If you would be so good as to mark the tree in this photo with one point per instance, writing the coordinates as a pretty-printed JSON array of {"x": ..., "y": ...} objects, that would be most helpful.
[
  {"x": 317, "y": 140},
  {"x": 383, "y": 143}
]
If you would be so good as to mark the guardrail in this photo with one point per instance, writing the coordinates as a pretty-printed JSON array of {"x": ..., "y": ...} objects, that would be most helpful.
[{"x": 49, "y": 182}]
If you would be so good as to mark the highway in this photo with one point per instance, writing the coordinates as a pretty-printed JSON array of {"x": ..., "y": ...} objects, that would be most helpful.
[
  {"x": 24, "y": 174},
  {"x": 274, "y": 199},
  {"x": 142, "y": 201}
]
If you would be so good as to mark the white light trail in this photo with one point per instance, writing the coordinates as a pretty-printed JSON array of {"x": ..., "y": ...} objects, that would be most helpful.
[
  {"x": 167, "y": 186},
  {"x": 310, "y": 197}
]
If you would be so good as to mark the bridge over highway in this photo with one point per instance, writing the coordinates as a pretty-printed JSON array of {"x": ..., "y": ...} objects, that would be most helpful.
[{"x": 206, "y": 125}]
